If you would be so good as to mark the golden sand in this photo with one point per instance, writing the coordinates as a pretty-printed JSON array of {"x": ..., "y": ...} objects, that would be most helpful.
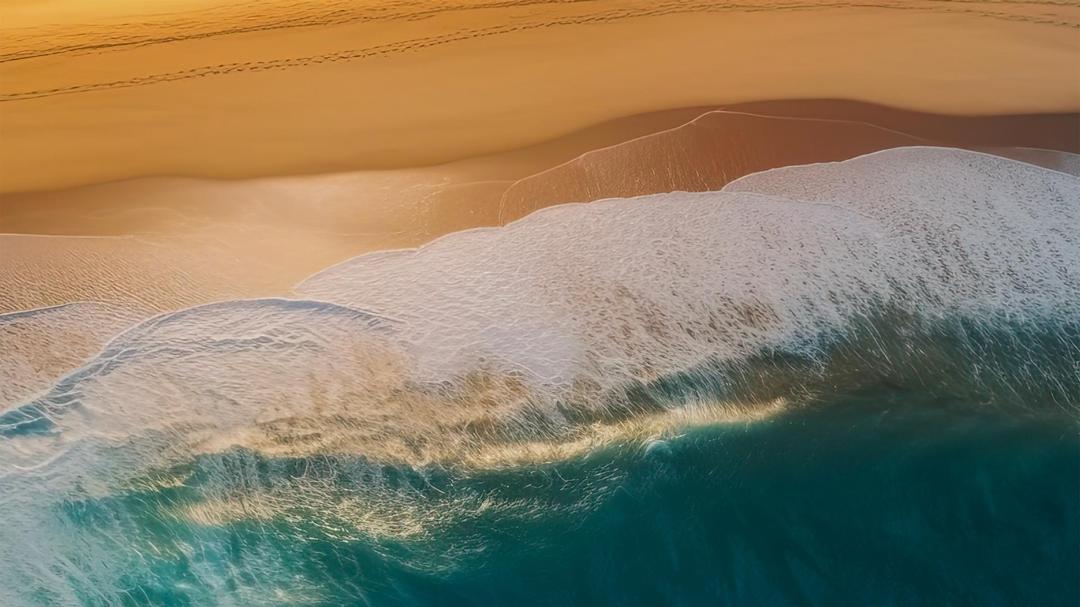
[
  {"x": 92, "y": 92},
  {"x": 118, "y": 119}
]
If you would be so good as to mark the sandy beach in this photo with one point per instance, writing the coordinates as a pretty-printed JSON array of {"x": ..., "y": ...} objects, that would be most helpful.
[
  {"x": 201, "y": 90},
  {"x": 160, "y": 157}
]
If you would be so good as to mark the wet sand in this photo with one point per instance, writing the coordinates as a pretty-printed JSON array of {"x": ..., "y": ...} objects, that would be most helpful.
[
  {"x": 702, "y": 155},
  {"x": 720, "y": 146},
  {"x": 165, "y": 243},
  {"x": 92, "y": 94}
]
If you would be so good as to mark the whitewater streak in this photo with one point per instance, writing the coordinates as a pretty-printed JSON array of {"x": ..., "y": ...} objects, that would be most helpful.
[{"x": 562, "y": 332}]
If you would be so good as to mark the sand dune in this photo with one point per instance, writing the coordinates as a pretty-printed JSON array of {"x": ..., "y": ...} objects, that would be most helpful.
[{"x": 202, "y": 89}]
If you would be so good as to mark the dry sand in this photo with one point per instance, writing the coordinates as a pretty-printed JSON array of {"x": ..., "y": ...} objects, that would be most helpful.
[{"x": 91, "y": 92}]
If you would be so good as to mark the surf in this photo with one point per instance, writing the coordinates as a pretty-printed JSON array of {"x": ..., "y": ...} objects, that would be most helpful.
[{"x": 582, "y": 346}]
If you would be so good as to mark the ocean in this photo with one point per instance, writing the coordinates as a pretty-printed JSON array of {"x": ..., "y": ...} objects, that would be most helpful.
[{"x": 851, "y": 383}]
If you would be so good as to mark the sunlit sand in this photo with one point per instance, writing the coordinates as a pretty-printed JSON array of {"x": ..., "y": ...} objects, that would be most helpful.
[{"x": 92, "y": 94}]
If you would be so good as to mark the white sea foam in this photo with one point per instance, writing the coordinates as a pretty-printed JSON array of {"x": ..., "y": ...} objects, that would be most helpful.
[{"x": 621, "y": 291}]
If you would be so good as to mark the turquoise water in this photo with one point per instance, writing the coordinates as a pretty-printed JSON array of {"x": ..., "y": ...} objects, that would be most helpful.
[{"x": 945, "y": 477}]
